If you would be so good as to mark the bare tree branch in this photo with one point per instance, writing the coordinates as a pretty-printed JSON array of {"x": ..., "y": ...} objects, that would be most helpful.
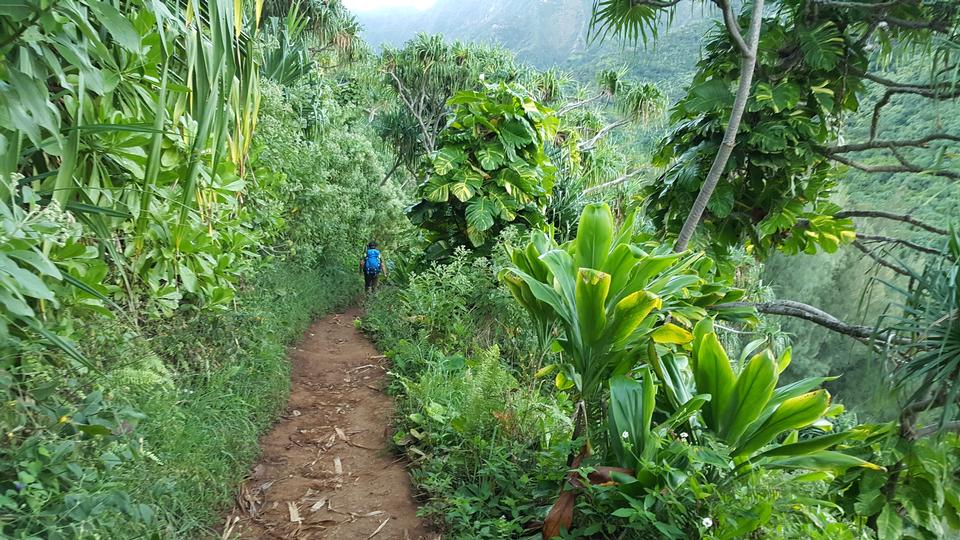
[
  {"x": 655, "y": 3},
  {"x": 864, "y": 5},
  {"x": 880, "y": 260},
  {"x": 934, "y": 25},
  {"x": 876, "y": 145},
  {"x": 891, "y": 216},
  {"x": 408, "y": 101},
  {"x": 904, "y": 167},
  {"x": 733, "y": 27},
  {"x": 589, "y": 144},
  {"x": 577, "y": 104},
  {"x": 617, "y": 181},
  {"x": 807, "y": 312},
  {"x": 900, "y": 242},
  {"x": 937, "y": 428}
]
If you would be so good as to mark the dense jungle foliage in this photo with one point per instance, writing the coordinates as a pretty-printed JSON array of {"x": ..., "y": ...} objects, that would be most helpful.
[{"x": 185, "y": 185}]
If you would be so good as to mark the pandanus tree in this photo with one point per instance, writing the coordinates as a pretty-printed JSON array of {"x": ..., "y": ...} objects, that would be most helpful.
[{"x": 136, "y": 120}]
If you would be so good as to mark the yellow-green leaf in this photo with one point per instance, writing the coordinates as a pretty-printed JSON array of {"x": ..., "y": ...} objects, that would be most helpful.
[{"x": 671, "y": 333}]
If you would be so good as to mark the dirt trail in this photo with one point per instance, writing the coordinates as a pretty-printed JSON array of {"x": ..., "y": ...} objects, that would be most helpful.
[{"x": 326, "y": 472}]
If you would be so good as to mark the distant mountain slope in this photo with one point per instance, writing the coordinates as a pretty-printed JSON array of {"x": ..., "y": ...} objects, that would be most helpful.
[{"x": 547, "y": 33}]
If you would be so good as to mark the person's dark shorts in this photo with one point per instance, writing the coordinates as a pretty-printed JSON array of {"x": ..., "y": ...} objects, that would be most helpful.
[{"x": 370, "y": 281}]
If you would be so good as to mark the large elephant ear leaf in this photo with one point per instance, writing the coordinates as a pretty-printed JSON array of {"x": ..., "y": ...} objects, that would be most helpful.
[
  {"x": 594, "y": 236},
  {"x": 480, "y": 214}
]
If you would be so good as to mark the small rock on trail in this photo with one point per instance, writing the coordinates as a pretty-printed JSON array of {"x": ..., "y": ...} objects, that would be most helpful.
[{"x": 326, "y": 471}]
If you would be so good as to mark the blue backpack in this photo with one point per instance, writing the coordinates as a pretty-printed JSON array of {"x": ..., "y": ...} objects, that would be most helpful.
[{"x": 372, "y": 263}]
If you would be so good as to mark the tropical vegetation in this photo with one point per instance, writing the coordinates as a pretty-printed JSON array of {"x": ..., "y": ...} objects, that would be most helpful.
[{"x": 622, "y": 307}]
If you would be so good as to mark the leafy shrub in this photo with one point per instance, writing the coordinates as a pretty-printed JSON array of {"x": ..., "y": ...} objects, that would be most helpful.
[
  {"x": 79, "y": 461},
  {"x": 489, "y": 170},
  {"x": 485, "y": 448},
  {"x": 456, "y": 306}
]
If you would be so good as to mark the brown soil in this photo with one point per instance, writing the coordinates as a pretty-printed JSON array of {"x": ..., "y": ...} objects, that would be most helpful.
[{"x": 326, "y": 470}]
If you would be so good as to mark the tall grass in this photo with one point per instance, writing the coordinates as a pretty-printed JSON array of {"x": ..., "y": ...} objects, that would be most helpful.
[{"x": 233, "y": 382}]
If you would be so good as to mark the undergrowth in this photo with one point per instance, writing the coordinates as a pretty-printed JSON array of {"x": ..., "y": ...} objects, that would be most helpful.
[
  {"x": 488, "y": 445},
  {"x": 180, "y": 406}
]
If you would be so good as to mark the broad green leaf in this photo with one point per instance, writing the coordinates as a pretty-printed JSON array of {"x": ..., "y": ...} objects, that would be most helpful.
[
  {"x": 807, "y": 446},
  {"x": 794, "y": 413},
  {"x": 822, "y": 460},
  {"x": 750, "y": 394},
  {"x": 712, "y": 373},
  {"x": 491, "y": 157},
  {"x": 117, "y": 25},
  {"x": 722, "y": 201},
  {"x": 591, "y": 294},
  {"x": 462, "y": 191},
  {"x": 594, "y": 236},
  {"x": 629, "y": 313},
  {"x": 708, "y": 96},
  {"x": 889, "y": 524},
  {"x": 671, "y": 333},
  {"x": 784, "y": 360},
  {"x": 447, "y": 158},
  {"x": 631, "y": 411},
  {"x": 480, "y": 213}
]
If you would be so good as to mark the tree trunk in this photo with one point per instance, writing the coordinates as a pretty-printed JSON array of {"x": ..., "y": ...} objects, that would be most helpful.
[
  {"x": 396, "y": 164},
  {"x": 730, "y": 135}
]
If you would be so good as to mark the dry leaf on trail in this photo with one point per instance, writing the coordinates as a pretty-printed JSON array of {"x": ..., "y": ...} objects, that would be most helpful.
[
  {"x": 380, "y": 528},
  {"x": 341, "y": 434},
  {"x": 374, "y": 513},
  {"x": 294, "y": 512},
  {"x": 337, "y": 466},
  {"x": 318, "y": 505}
]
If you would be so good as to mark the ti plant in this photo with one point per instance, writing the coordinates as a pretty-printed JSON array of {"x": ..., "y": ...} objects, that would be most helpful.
[
  {"x": 750, "y": 414},
  {"x": 610, "y": 297}
]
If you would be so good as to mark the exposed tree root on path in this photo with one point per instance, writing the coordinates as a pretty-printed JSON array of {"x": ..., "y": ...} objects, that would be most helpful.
[{"x": 326, "y": 471}]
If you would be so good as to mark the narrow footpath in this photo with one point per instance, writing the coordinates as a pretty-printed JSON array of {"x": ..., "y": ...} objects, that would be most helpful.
[{"x": 326, "y": 471}]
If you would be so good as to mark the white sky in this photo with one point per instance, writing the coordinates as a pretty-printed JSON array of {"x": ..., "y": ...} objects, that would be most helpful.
[{"x": 373, "y": 5}]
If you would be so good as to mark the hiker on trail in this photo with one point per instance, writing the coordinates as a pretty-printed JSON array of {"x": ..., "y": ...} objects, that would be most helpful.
[{"x": 371, "y": 265}]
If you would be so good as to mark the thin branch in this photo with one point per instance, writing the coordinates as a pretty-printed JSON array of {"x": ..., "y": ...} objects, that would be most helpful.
[
  {"x": 733, "y": 27},
  {"x": 877, "y": 109},
  {"x": 900, "y": 242},
  {"x": 937, "y": 428},
  {"x": 576, "y": 105},
  {"x": 864, "y": 5},
  {"x": 934, "y": 25},
  {"x": 396, "y": 164},
  {"x": 617, "y": 181},
  {"x": 747, "y": 66},
  {"x": 809, "y": 313},
  {"x": 904, "y": 167},
  {"x": 875, "y": 145},
  {"x": 589, "y": 144},
  {"x": 27, "y": 25},
  {"x": 932, "y": 402},
  {"x": 655, "y": 3},
  {"x": 880, "y": 260},
  {"x": 891, "y": 216}
]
